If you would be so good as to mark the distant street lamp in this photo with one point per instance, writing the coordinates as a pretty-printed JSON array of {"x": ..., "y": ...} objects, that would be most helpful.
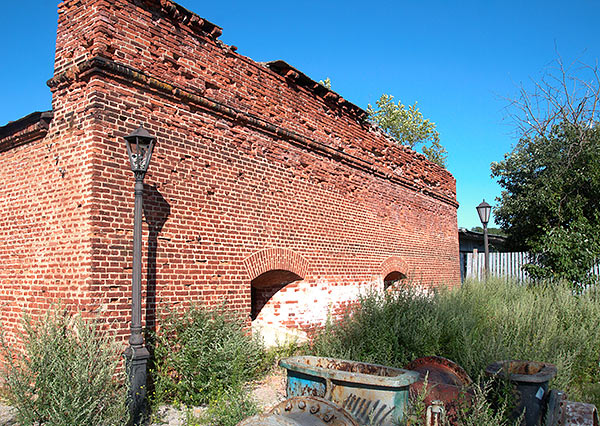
[
  {"x": 484, "y": 210},
  {"x": 139, "y": 147}
]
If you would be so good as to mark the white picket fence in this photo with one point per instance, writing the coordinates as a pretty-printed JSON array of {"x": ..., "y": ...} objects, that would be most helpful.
[{"x": 509, "y": 265}]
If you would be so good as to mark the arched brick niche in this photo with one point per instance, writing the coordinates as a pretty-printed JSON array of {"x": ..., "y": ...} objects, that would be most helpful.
[
  {"x": 270, "y": 270},
  {"x": 276, "y": 259},
  {"x": 264, "y": 287},
  {"x": 392, "y": 270}
]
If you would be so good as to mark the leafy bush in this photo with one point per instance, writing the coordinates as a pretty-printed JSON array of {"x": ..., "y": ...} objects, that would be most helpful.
[
  {"x": 480, "y": 411},
  {"x": 201, "y": 354},
  {"x": 475, "y": 325},
  {"x": 66, "y": 375}
]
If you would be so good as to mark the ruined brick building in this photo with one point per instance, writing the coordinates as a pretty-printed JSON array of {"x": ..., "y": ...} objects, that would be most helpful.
[{"x": 266, "y": 190}]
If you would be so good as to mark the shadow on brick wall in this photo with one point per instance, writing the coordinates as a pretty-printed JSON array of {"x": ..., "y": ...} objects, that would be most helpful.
[{"x": 156, "y": 213}]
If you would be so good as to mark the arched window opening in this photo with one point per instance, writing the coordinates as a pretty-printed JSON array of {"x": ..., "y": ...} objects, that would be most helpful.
[
  {"x": 266, "y": 285},
  {"x": 392, "y": 279}
]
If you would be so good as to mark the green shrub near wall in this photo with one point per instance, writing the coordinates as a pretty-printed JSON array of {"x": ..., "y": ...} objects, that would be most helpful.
[
  {"x": 475, "y": 325},
  {"x": 67, "y": 374},
  {"x": 201, "y": 354}
]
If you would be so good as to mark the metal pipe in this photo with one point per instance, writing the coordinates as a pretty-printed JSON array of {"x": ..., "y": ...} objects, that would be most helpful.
[
  {"x": 140, "y": 144},
  {"x": 487, "y": 251},
  {"x": 136, "y": 355},
  {"x": 136, "y": 339}
]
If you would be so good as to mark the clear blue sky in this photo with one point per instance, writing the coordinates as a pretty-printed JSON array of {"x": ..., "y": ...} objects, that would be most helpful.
[{"x": 458, "y": 59}]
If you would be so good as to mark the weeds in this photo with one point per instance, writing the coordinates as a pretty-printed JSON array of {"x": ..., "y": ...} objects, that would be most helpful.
[
  {"x": 390, "y": 329},
  {"x": 229, "y": 408},
  {"x": 480, "y": 411},
  {"x": 283, "y": 350},
  {"x": 201, "y": 355},
  {"x": 66, "y": 375}
]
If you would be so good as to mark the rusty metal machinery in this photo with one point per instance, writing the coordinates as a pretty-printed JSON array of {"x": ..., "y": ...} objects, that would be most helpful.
[
  {"x": 529, "y": 381},
  {"x": 447, "y": 386},
  {"x": 370, "y": 393},
  {"x": 561, "y": 412},
  {"x": 440, "y": 370},
  {"x": 303, "y": 411},
  {"x": 327, "y": 391}
]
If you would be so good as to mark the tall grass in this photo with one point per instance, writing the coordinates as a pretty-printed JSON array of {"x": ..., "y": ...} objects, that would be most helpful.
[
  {"x": 390, "y": 329},
  {"x": 474, "y": 325}
]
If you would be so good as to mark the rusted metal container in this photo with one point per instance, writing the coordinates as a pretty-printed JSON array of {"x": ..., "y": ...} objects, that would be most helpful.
[
  {"x": 373, "y": 394},
  {"x": 530, "y": 386},
  {"x": 579, "y": 414}
]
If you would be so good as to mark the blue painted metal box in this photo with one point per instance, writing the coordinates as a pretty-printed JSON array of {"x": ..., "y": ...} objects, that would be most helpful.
[{"x": 373, "y": 394}]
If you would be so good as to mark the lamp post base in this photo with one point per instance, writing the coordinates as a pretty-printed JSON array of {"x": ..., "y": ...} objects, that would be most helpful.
[{"x": 136, "y": 360}]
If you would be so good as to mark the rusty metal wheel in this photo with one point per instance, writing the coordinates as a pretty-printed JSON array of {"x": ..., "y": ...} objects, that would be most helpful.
[{"x": 303, "y": 411}]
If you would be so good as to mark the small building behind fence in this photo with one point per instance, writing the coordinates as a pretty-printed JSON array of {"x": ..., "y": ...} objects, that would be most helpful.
[{"x": 472, "y": 241}]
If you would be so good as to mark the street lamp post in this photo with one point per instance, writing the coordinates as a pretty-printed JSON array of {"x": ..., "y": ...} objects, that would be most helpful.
[
  {"x": 484, "y": 210},
  {"x": 140, "y": 144}
]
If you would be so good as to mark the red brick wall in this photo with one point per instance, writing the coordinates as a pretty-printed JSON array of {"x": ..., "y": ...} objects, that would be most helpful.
[
  {"x": 45, "y": 250},
  {"x": 247, "y": 160}
]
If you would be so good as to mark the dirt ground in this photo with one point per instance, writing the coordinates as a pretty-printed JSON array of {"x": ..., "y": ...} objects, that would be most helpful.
[{"x": 270, "y": 390}]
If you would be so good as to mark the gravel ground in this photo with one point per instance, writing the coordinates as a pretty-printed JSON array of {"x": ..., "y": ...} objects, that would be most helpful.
[
  {"x": 171, "y": 416},
  {"x": 271, "y": 390},
  {"x": 7, "y": 417}
]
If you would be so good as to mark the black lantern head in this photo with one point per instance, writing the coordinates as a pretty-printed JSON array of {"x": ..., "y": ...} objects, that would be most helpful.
[
  {"x": 139, "y": 147},
  {"x": 484, "y": 210}
]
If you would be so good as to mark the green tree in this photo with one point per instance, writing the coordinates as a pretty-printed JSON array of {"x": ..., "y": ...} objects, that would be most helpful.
[
  {"x": 408, "y": 127},
  {"x": 491, "y": 231},
  {"x": 550, "y": 202}
]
